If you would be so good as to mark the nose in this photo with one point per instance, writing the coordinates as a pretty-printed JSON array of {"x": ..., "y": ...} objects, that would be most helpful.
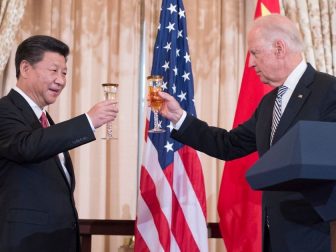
[
  {"x": 251, "y": 62},
  {"x": 60, "y": 79}
]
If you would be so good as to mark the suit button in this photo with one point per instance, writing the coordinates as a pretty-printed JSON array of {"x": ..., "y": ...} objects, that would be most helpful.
[{"x": 74, "y": 225}]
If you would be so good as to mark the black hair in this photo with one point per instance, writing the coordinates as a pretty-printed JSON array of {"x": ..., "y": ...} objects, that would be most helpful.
[{"x": 33, "y": 48}]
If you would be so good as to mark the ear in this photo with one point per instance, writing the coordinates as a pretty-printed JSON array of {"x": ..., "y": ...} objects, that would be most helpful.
[
  {"x": 280, "y": 48},
  {"x": 25, "y": 68}
]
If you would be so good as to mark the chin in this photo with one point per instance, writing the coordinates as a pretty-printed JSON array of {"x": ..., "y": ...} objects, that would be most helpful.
[
  {"x": 51, "y": 100},
  {"x": 273, "y": 85}
]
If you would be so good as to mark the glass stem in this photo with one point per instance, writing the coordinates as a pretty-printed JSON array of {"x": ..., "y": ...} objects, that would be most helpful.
[
  {"x": 156, "y": 120},
  {"x": 109, "y": 130}
]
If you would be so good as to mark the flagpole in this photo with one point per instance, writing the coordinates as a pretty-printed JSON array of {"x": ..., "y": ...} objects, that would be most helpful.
[{"x": 141, "y": 90}]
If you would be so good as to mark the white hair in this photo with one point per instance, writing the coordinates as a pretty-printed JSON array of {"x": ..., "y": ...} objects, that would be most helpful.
[{"x": 275, "y": 26}]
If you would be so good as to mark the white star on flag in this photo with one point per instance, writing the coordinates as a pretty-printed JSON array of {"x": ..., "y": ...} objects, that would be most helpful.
[
  {"x": 175, "y": 70},
  {"x": 170, "y": 126},
  {"x": 174, "y": 88},
  {"x": 179, "y": 34},
  {"x": 187, "y": 57},
  {"x": 168, "y": 46},
  {"x": 170, "y": 27},
  {"x": 182, "y": 96},
  {"x": 169, "y": 146},
  {"x": 185, "y": 76},
  {"x": 181, "y": 13},
  {"x": 164, "y": 85},
  {"x": 166, "y": 65},
  {"x": 172, "y": 8}
]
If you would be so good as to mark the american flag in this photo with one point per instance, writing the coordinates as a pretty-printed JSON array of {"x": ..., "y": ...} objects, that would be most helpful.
[{"x": 171, "y": 214}]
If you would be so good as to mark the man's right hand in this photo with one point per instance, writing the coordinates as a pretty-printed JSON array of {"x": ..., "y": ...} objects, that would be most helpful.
[
  {"x": 170, "y": 109},
  {"x": 103, "y": 112}
]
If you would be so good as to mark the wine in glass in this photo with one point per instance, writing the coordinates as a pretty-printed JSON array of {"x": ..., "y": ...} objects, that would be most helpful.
[
  {"x": 154, "y": 86},
  {"x": 110, "y": 93}
]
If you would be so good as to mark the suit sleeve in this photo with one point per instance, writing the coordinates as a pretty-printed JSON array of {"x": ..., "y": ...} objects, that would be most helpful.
[
  {"x": 22, "y": 142},
  {"x": 217, "y": 142}
]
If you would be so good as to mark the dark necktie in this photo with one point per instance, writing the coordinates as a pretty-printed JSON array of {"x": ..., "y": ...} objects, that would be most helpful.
[
  {"x": 44, "y": 120},
  {"x": 277, "y": 110}
]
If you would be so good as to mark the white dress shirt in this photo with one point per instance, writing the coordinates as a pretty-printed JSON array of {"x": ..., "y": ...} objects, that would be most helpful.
[{"x": 291, "y": 82}]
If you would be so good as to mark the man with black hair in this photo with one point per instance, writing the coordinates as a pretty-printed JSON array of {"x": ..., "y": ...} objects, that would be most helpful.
[{"x": 37, "y": 208}]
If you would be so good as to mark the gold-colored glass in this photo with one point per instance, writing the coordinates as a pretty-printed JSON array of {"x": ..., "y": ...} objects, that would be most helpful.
[
  {"x": 110, "y": 93},
  {"x": 154, "y": 83}
]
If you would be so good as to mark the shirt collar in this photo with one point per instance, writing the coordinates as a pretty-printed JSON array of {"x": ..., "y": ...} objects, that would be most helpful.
[
  {"x": 294, "y": 77},
  {"x": 37, "y": 110}
]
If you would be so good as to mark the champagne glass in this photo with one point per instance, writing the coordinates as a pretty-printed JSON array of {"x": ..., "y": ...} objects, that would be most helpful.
[
  {"x": 154, "y": 86},
  {"x": 110, "y": 93}
]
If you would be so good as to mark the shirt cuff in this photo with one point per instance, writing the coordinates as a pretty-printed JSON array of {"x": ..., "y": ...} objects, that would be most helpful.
[
  {"x": 91, "y": 124},
  {"x": 177, "y": 126}
]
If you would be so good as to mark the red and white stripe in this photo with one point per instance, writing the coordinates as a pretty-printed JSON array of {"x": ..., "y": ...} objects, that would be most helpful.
[{"x": 171, "y": 214}]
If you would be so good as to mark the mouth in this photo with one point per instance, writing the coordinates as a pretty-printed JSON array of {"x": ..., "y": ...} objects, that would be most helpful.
[{"x": 54, "y": 92}]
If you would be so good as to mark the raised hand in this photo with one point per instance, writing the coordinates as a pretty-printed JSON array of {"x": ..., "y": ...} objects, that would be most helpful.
[
  {"x": 103, "y": 112},
  {"x": 170, "y": 109}
]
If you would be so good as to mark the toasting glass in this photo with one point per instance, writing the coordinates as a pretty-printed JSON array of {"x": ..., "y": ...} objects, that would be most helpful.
[
  {"x": 154, "y": 83},
  {"x": 110, "y": 93}
]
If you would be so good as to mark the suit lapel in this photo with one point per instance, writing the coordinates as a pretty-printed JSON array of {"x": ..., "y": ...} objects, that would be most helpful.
[
  {"x": 67, "y": 159},
  {"x": 27, "y": 111},
  {"x": 295, "y": 103}
]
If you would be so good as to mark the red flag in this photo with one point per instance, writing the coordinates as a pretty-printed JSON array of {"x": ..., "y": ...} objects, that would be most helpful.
[{"x": 239, "y": 207}]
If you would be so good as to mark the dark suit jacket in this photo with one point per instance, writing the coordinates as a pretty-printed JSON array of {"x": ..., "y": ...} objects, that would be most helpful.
[
  {"x": 37, "y": 210},
  {"x": 294, "y": 225}
]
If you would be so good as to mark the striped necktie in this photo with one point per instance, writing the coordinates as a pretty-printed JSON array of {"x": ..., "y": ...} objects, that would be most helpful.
[{"x": 277, "y": 110}]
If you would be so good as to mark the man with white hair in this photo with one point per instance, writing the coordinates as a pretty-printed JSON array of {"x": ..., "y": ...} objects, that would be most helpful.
[{"x": 301, "y": 93}]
